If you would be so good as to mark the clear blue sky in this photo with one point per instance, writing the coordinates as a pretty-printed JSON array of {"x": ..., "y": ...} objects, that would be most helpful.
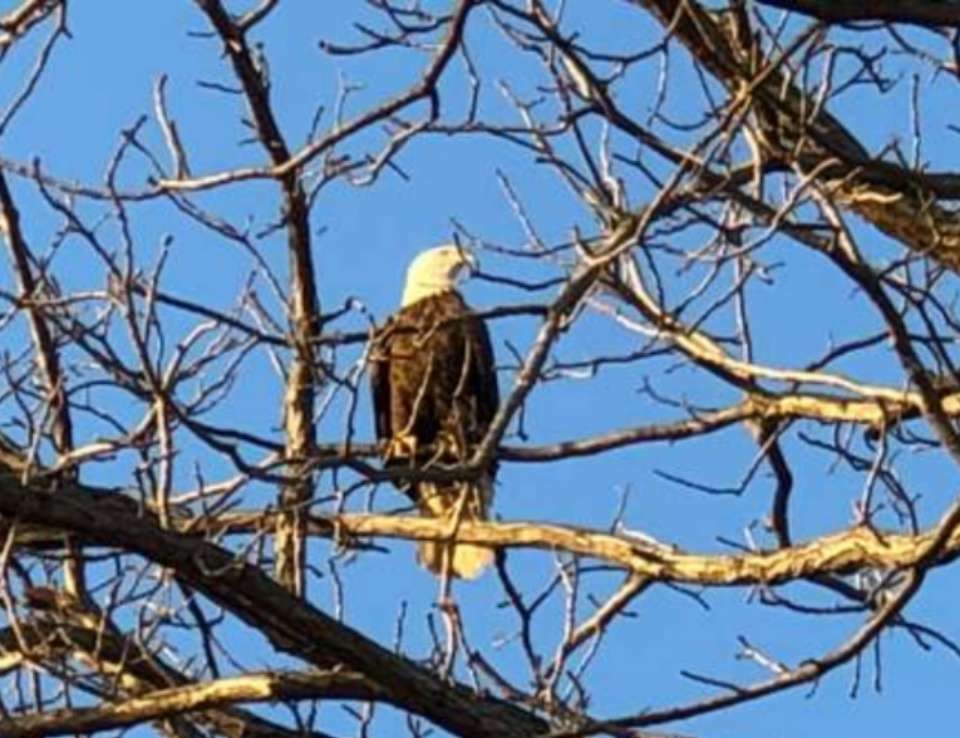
[{"x": 100, "y": 81}]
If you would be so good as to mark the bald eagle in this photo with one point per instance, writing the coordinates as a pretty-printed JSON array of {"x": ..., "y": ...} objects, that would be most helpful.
[{"x": 434, "y": 394}]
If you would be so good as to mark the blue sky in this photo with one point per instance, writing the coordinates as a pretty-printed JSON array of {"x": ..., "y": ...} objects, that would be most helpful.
[{"x": 100, "y": 81}]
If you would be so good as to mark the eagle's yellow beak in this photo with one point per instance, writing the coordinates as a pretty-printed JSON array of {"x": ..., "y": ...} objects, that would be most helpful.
[{"x": 471, "y": 264}]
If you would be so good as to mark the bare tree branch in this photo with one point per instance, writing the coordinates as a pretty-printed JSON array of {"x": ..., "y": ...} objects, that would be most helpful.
[{"x": 924, "y": 13}]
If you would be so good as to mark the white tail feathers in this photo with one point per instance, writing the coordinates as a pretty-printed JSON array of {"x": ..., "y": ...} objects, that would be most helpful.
[
  {"x": 446, "y": 501},
  {"x": 468, "y": 561}
]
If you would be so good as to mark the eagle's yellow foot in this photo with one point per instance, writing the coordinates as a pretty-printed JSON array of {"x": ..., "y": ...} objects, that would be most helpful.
[{"x": 401, "y": 447}]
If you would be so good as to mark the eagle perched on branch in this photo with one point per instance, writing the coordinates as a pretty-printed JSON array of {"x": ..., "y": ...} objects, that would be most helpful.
[{"x": 435, "y": 392}]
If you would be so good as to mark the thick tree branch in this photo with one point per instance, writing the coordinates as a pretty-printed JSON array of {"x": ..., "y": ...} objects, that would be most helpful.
[
  {"x": 793, "y": 126},
  {"x": 128, "y": 667},
  {"x": 110, "y": 519},
  {"x": 164, "y": 703},
  {"x": 917, "y": 12},
  {"x": 47, "y": 355},
  {"x": 852, "y": 550},
  {"x": 22, "y": 18},
  {"x": 304, "y": 302},
  {"x": 290, "y": 624},
  {"x": 845, "y": 552}
]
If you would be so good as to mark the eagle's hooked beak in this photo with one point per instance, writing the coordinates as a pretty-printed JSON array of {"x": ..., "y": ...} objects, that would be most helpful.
[
  {"x": 471, "y": 265},
  {"x": 466, "y": 266}
]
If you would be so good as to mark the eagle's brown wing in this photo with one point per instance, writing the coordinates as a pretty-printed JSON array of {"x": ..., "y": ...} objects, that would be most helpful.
[
  {"x": 435, "y": 392},
  {"x": 484, "y": 384},
  {"x": 379, "y": 368},
  {"x": 433, "y": 379}
]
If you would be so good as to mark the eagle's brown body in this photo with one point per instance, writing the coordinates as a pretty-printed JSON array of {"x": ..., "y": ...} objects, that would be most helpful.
[{"x": 434, "y": 394}]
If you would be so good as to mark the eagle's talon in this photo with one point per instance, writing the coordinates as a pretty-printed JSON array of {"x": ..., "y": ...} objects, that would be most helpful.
[{"x": 401, "y": 447}]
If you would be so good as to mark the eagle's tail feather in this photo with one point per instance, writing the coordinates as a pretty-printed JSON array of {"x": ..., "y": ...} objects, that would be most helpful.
[
  {"x": 468, "y": 561},
  {"x": 443, "y": 501}
]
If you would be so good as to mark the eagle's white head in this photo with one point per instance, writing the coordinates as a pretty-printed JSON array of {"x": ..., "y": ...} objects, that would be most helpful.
[{"x": 436, "y": 270}]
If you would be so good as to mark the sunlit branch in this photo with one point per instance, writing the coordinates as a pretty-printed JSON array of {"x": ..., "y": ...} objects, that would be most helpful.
[{"x": 174, "y": 701}]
